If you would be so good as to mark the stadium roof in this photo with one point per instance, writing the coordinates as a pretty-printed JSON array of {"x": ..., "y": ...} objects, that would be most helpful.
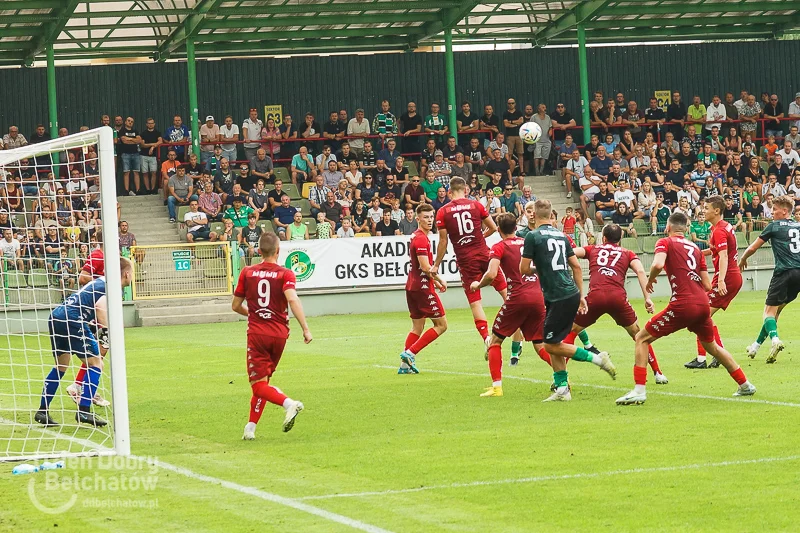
[{"x": 158, "y": 29}]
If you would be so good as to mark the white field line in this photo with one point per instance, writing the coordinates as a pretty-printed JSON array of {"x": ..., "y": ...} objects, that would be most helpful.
[
  {"x": 250, "y": 491},
  {"x": 540, "y": 479},
  {"x": 650, "y": 390}
]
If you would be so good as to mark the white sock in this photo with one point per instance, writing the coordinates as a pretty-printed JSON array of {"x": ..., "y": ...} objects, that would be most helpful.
[
  {"x": 639, "y": 389},
  {"x": 701, "y": 358},
  {"x": 288, "y": 402},
  {"x": 497, "y": 383}
]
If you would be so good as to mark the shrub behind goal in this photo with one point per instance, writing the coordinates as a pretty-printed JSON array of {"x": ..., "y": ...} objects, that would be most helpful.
[{"x": 55, "y": 217}]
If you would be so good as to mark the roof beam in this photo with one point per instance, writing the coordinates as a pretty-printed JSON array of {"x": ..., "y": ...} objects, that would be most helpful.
[
  {"x": 187, "y": 28},
  {"x": 325, "y": 20},
  {"x": 686, "y": 21},
  {"x": 52, "y": 30},
  {"x": 688, "y": 7},
  {"x": 715, "y": 33},
  {"x": 270, "y": 46},
  {"x": 250, "y": 36},
  {"x": 579, "y": 14},
  {"x": 341, "y": 7},
  {"x": 447, "y": 19}
]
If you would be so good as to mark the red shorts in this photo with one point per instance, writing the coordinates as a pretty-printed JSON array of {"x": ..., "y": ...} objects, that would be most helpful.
[
  {"x": 474, "y": 272},
  {"x": 696, "y": 318},
  {"x": 263, "y": 355},
  {"x": 733, "y": 283},
  {"x": 615, "y": 305},
  {"x": 527, "y": 316},
  {"x": 423, "y": 304}
]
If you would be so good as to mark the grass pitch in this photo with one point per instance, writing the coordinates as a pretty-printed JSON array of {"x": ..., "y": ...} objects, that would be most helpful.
[{"x": 425, "y": 453}]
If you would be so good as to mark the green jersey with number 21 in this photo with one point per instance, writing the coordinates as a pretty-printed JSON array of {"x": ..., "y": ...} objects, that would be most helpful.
[
  {"x": 550, "y": 250},
  {"x": 785, "y": 238}
]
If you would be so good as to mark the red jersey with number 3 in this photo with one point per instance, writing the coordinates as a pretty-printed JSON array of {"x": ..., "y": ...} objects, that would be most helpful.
[
  {"x": 608, "y": 266},
  {"x": 683, "y": 265},
  {"x": 95, "y": 265},
  {"x": 462, "y": 218},
  {"x": 262, "y": 285},
  {"x": 420, "y": 246},
  {"x": 521, "y": 289},
  {"x": 724, "y": 238}
]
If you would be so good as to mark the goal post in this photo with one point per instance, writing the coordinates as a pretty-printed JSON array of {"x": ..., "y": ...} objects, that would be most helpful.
[{"x": 57, "y": 195}]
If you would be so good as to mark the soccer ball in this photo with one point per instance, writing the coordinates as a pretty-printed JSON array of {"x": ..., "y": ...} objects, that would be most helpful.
[{"x": 530, "y": 132}]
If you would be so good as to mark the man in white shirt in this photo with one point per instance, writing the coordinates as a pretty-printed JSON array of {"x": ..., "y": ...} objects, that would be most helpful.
[
  {"x": 790, "y": 156},
  {"x": 358, "y": 127},
  {"x": 590, "y": 185},
  {"x": 251, "y": 129},
  {"x": 197, "y": 224},
  {"x": 10, "y": 249},
  {"x": 715, "y": 112},
  {"x": 738, "y": 104},
  {"x": 772, "y": 187},
  {"x": 625, "y": 194},
  {"x": 229, "y": 132},
  {"x": 794, "y": 110}
]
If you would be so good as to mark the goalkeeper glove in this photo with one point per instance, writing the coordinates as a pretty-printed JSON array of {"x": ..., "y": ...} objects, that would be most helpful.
[{"x": 102, "y": 337}]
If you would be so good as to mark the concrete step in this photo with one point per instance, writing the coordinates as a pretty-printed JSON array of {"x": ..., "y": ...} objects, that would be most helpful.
[
  {"x": 186, "y": 319},
  {"x": 200, "y": 301},
  {"x": 157, "y": 234}
]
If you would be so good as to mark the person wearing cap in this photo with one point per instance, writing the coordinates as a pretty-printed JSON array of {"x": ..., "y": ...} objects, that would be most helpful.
[
  {"x": 359, "y": 128},
  {"x": 441, "y": 169},
  {"x": 209, "y": 136},
  {"x": 251, "y": 131},
  {"x": 238, "y": 212}
]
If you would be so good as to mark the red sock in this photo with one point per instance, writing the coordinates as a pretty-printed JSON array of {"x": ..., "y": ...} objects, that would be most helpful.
[
  {"x": 640, "y": 375},
  {"x": 545, "y": 356},
  {"x": 717, "y": 337},
  {"x": 81, "y": 375},
  {"x": 570, "y": 338},
  {"x": 700, "y": 349},
  {"x": 411, "y": 339},
  {"x": 738, "y": 376},
  {"x": 651, "y": 358},
  {"x": 262, "y": 391},
  {"x": 483, "y": 328},
  {"x": 427, "y": 338},
  {"x": 496, "y": 362}
]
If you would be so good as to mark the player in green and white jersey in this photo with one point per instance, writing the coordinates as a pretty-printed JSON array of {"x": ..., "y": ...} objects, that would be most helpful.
[
  {"x": 784, "y": 235},
  {"x": 549, "y": 250}
]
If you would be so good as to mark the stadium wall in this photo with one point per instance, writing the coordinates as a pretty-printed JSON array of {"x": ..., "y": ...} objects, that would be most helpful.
[{"x": 321, "y": 84}]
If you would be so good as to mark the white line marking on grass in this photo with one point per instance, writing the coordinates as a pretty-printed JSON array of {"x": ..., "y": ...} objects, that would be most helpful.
[
  {"x": 539, "y": 479},
  {"x": 608, "y": 387},
  {"x": 274, "y": 498}
]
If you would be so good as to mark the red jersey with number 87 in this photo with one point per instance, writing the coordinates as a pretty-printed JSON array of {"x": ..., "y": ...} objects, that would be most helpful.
[
  {"x": 683, "y": 265},
  {"x": 262, "y": 285},
  {"x": 462, "y": 218},
  {"x": 608, "y": 266},
  {"x": 420, "y": 245},
  {"x": 724, "y": 238}
]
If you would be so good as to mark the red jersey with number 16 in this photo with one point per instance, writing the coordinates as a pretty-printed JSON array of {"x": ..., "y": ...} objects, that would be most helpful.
[
  {"x": 462, "y": 218},
  {"x": 262, "y": 285},
  {"x": 724, "y": 238},
  {"x": 683, "y": 265},
  {"x": 420, "y": 245},
  {"x": 608, "y": 266},
  {"x": 521, "y": 289}
]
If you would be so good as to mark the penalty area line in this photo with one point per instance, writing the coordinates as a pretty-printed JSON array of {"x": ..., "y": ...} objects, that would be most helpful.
[
  {"x": 540, "y": 479},
  {"x": 620, "y": 389}
]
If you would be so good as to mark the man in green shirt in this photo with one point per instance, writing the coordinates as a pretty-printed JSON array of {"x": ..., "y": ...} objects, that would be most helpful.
[
  {"x": 550, "y": 252},
  {"x": 238, "y": 213},
  {"x": 658, "y": 219},
  {"x": 695, "y": 114},
  {"x": 430, "y": 185},
  {"x": 784, "y": 235},
  {"x": 436, "y": 126},
  {"x": 701, "y": 230}
]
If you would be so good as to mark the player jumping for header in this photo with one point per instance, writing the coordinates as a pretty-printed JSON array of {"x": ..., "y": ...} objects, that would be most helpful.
[
  {"x": 688, "y": 308},
  {"x": 560, "y": 274},
  {"x": 784, "y": 234},
  {"x": 264, "y": 294},
  {"x": 423, "y": 302}
]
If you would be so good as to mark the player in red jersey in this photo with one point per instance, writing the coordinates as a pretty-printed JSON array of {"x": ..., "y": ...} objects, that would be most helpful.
[
  {"x": 93, "y": 268},
  {"x": 608, "y": 265},
  {"x": 523, "y": 310},
  {"x": 462, "y": 220},
  {"x": 263, "y": 294},
  {"x": 423, "y": 302},
  {"x": 725, "y": 288},
  {"x": 688, "y": 308}
]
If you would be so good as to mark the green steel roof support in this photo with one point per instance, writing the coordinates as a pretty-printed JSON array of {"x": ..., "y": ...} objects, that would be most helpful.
[
  {"x": 721, "y": 32},
  {"x": 705, "y": 22},
  {"x": 447, "y": 19},
  {"x": 323, "y": 20},
  {"x": 450, "y": 78},
  {"x": 583, "y": 74},
  {"x": 52, "y": 108},
  {"x": 621, "y": 9},
  {"x": 188, "y": 28},
  {"x": 268, "y": 47},
  {"x": 51, "y": 31},
  {"x": 191, "y": 72},
  {"x": 581, "y": 13}
]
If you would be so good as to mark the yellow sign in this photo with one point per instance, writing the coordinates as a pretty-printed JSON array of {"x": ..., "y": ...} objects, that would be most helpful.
[
  {"x": 273, "y": 112},
  {"x": 663, "y": 98}
]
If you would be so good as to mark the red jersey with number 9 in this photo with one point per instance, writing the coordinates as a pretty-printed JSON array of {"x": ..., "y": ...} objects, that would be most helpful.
[
  {"x": 262, "y": 285},
  {"x": 683, "y": 265},
  {"x": 608, "y": 266},
  {"x": 462, "y": 218}
]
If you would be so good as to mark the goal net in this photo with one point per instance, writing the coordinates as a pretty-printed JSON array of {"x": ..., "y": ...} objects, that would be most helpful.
[{"x": 58, "y": 206}]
